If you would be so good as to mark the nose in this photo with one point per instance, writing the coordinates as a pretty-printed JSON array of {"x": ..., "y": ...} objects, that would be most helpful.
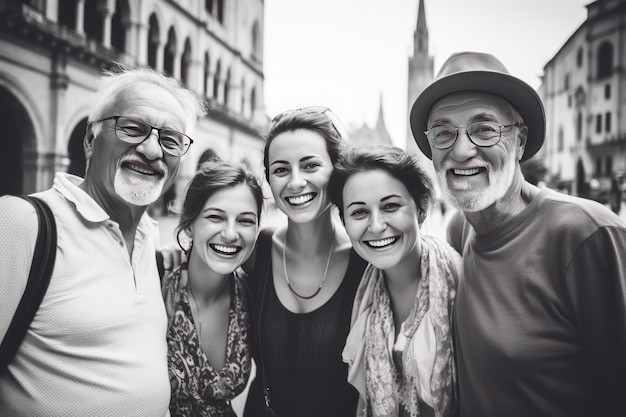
[
  {"x": 150, "y": 147},
  {"x": 297, "y": 180},
  {"x": 377, "y": 222},
  {"x": 229, "y": 233},
  {"x": 463, "y": 148}
]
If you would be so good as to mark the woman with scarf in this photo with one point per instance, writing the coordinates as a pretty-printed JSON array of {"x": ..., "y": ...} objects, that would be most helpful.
[{"x": 399, "y": 349}]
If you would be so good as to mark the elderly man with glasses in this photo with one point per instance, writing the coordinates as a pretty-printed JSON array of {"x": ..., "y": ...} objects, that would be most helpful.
[
  {"x": 540, "y": 318},
  {"x": 97, "y": 345}
]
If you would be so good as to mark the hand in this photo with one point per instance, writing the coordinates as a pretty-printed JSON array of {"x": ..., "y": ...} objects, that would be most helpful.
[{"x": 173, "y": 257}]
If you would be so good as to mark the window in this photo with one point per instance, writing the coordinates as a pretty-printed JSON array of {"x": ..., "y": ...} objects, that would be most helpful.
[
  {"x": 608, "y": 166},
  {"x": 227, "y": 87},
  {"x": 579, "y": 127},
  {"x": 153, "y": 40},
  {"x": 598, "y": 167},
  {"x": 120, "y": 25},
  {"x": 566, "y": 82},
  {"x": 579, "y": 58},
  {"x": 607, "y": 91},
  {"x": 208, "y": 6},
  {"x": 607, "y": 122},
  {"x": 605, "y": 60},
  {"x": 185, "y": 63},
  {"x": 598, "y": 123},
  {"x": 560, "y": 144},
  {"x": 67, "y": 13},
  {"x": 216, "y": 80},
  {"x": 170, "y": 52},
  {"x": 205, "y": 88}
]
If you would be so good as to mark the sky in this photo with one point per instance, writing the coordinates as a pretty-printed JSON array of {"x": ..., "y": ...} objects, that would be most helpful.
[{"x": 349, "y": 54}]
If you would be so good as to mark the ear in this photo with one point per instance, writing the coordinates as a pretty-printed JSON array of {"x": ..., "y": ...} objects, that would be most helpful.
[
  {"x": 88, "y": 143},
  {"x": 189, "y": 232},
  {"x": 521, "y": 141}
]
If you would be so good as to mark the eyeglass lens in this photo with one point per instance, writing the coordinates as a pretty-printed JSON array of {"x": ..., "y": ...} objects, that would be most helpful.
[
  {"x": 135, "y": 131},
  {"x": 482, "y": 134}
]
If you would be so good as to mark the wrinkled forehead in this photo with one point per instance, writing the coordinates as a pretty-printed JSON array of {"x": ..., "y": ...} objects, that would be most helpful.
[
  {"x": 469, "y": 104},
  {"x": 151, "y": 103}
]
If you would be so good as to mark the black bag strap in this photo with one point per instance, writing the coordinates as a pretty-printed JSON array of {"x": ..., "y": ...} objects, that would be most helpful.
[{"x": 37, "y": 285}]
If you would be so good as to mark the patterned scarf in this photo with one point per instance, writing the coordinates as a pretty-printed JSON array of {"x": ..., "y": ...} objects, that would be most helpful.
[
  {"x": 389, "y": 387},
  {"x": 197, "y": 388}
]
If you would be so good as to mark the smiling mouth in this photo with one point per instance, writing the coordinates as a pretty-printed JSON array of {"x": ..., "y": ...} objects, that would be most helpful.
[
  {"x": 301, "y": 199},
  {"x": 381, "y": 243},
  {"x": 142, "y": 169},
  {"x": 225, "y": 250},
  {"x": 467, "y": 172}
]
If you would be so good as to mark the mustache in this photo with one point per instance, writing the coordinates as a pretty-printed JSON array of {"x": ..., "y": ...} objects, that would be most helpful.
[
  {"x": 476, "y": 162},
  {"x": 157, "y": 165}
]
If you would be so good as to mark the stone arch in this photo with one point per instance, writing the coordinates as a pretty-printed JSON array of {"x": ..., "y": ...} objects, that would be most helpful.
[{"x": 18, "y": 157}]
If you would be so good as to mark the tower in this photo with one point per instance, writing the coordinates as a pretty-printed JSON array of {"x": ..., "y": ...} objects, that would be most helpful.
[{"x": 421, "y": 66}]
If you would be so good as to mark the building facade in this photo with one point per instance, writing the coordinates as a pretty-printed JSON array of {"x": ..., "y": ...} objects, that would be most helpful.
[
  {"x": 53, "y": 52},
  {"x": 584, "y": 91}
]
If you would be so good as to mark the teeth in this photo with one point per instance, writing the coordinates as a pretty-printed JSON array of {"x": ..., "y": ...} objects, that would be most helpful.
[
  {"x": 228, "y": 250},
  {"x": 469, "y": 171},
  {"x": 305, "y": 198},
  {"x": 382, "y": 242},
  {"x": 141, "y": 169}
]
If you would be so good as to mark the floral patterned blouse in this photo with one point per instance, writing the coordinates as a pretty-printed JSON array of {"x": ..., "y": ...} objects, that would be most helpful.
[{"x": 197, "y": 388}]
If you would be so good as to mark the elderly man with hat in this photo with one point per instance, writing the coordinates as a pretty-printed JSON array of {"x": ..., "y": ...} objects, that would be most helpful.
[{"x": 540, "y": 320}]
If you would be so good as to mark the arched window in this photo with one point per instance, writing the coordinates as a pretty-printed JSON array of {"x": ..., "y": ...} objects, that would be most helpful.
[
  {"x": 185, "y": 63},
  {"x": 220, "y": 11},
  {"x": 255, "y": 41},
  {"x": 227, "y": 87},
  {"x": 66, "y": 15},
  {"x": 153, "y": 40},
  {"x": 207, "y": 62},
  {"x": 605, "y": 60},
  {"x": 94, "y": 21},
  {"x": 579, "y": 57},
  {"x": 170, "y": 52},
  {"x": 216, "y": 80},
  {"x": 579, "y": 127},
  {"x": 243, "y": 96},
  {"x": 252, "y": 102},
  {"x": 208, "y": 6},
  {"x": 120, "y": 25}
]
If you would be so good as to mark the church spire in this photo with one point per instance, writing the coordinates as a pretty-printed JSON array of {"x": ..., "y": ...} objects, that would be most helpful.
[
  {"x": 420, "y": 36},
  {"x": 380, "y": 123}
]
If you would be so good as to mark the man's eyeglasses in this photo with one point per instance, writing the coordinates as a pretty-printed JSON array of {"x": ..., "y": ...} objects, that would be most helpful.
[
  {"x": 483, "y": 134},
  {"x": 332, "y": 117},
  {"x": 136, "y": 131}
]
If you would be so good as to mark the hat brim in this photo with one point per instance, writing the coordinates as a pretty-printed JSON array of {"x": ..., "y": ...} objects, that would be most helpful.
[{"x": 521, "y": 96}]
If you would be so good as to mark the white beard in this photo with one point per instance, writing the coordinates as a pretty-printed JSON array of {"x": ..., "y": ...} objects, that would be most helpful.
[
  {"x": 137, "y": 191},
  {"x": 499, "y": 183}
]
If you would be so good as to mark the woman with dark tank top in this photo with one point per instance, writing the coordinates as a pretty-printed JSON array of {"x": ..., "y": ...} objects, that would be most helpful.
[{"x": 304, "y": 278}]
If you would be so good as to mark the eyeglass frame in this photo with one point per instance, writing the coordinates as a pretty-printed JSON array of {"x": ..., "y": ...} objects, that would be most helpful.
[
  {"x": 159, "y": 130},
  {"x": 458, "y": 129},
  {"x": 323, "y": 110}
]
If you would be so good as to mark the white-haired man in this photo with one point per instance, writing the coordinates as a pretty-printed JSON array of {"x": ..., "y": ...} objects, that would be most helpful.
[
  {"x": 540, "y": 320},
  {"x": 97, "y": 345}
]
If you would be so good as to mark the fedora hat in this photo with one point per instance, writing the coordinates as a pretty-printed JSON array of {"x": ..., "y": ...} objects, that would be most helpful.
[{"x": 476, "y": 71}]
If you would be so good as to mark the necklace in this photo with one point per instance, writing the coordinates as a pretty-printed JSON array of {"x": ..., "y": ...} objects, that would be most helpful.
[
  {"x": 308, "y": 297},
  {"x": 195, "y": 303}
]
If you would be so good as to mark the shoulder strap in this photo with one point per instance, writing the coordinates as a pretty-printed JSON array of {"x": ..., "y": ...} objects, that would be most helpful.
[{"x": 38, "y": 280}]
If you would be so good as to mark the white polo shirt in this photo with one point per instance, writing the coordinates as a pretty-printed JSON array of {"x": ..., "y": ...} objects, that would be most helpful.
[{"x": 97, "y": 345}]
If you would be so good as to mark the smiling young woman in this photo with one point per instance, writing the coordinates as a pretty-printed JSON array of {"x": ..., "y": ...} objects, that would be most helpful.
[
  {"x": 399, "y": 349},
  {"x": 206, "y": 298},
  {"x": 306, "y": 275}
]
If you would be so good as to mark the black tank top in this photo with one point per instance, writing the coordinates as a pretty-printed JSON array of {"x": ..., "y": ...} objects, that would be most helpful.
[{"x": 301, "y": 352}]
